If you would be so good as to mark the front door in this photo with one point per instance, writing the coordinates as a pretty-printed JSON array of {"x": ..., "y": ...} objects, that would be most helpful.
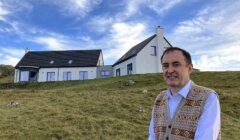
[{"x": 33, "y": 76}]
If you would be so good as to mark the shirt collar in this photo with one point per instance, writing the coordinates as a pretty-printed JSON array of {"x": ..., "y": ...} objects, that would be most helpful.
[{"x": 183, "y": 92}]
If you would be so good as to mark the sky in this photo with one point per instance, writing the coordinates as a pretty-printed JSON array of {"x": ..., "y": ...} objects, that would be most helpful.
[{"x": 208, "y": 29}]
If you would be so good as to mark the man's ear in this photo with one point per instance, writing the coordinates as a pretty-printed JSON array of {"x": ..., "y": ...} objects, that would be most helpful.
[{"x": 190, "y": 68}]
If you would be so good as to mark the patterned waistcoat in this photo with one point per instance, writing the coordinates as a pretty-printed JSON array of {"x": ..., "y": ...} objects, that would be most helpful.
[{"x": 185, "y": 120}]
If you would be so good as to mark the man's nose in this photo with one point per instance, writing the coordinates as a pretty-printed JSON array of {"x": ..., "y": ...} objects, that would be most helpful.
[{"x": 171, "y": 69}]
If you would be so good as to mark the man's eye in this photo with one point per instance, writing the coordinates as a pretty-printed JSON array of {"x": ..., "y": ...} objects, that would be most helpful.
[
  {"x": 176, "y": 64},
  {"x": 165, "y": 66}
]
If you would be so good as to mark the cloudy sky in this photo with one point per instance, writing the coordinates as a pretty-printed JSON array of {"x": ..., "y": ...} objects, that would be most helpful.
[{"x": 208, "y": 29}]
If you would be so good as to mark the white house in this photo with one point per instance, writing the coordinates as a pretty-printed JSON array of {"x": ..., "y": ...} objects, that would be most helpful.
[
  {"x": 42, "y": 66},
  {"x": 144, "y": 57}
]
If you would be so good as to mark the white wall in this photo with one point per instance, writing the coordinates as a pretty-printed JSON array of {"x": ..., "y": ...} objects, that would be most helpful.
[
  {"x": 100, "y": 60},
  {"x": 145, "y": 61},
  {"x": 92, "y": 73},
  {"x": 123, "y": 66},
  {"x": 16, "y": 75}
]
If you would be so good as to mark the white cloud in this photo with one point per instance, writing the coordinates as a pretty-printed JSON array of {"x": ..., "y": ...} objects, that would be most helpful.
[
  {"x": 12, "y": 51},
  {"x": 52, "y": 43},
  {"x": 133, "y": 6},
  {"x": 162, "y": 6},
  {"x": 224, "y": 57},
  {"x": 118, "y": 39},
  {"x": 9, "y": 60},
  {"x": 15, "y": 6},
  {"x": 159, "y": 6},
  {"x": 10, "y": 56},
  {"x": 217, "y": 63},
  {"x": 101, "y": 23},
  {"x": 122, "y": 37},
  {"x": 60, "y": 42},
  {"x": 3, "y": 12},
  {"x": 78, "y": 8},
  {"x": 224, "y": 49},
  {"x": 13, "y": 28},
  {"x": 213, "y": 35}
]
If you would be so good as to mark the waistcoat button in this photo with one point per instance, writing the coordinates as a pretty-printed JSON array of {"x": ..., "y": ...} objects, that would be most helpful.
[
  {"x": 166, "y": 138},
  {"x": 169, "y": 126}
]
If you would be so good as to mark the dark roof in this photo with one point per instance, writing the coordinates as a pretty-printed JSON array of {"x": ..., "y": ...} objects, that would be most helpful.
[
  {"x": 168, "y": 42},
  {"x": 134, "y": 50},
  {"x": 71, "y": 58}
]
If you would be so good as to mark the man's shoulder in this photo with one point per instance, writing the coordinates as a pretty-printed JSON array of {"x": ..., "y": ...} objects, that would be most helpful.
[
  {"x": 161, "y": 98},
  {"x": 161, "y": 94},
  {"x": 201, "y": 89}
]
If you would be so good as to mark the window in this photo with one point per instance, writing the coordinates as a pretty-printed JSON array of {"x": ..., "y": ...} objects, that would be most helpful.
[
  {"x": 105, "y": 73},
  {"x": 50, "y": 76},
  {"x": 67, "y": 76},
  {"x": 154, "y": 50},
  {"x": 70, "y": 62},
  {"x": 83, "y": 75},
  {"x": 24, "y": 76},
  {"x": 118, "y": 72},
  {"x": 33, "y": 74},
  {"x": 129, "y": 69},
  {"x": 51, "y": 62}
]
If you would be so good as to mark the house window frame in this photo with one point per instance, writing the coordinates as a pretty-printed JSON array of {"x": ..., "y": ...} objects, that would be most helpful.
[
  {"x": 118, "y": 72},
  {"x": 68, "y": 75},
  {"x": 154, "y": 51},
  {"x": 28, "y": 76},
  {"x": 85, "y": 75},
  {"x": 129, "y": 68},
  {"x": 104, "y": 73},
  {"x": 51, "y": 77}
]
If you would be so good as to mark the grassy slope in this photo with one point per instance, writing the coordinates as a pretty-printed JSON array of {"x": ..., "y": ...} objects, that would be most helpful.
[
  {"x": 6, "y": 79},
  {"x": 102, "y": 109},
  {"x": 6, "y": 73}
]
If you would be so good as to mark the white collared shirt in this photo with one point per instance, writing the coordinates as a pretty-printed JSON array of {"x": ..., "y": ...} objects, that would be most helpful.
[{"x": 209, "y": 123}]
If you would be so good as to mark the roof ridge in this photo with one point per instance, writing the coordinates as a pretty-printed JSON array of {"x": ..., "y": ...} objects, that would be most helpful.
[
  {"x": 81, "y": 58},
  {"x": 67, "y": 50},
  {"x": 134, "y": 50}
]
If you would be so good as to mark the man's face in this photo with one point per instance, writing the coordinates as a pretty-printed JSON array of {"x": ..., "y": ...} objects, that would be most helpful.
[{"x": 176, "y": 70}]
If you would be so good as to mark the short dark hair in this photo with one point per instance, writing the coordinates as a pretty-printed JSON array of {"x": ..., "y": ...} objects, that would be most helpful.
[{"x": 184, "y": 52}]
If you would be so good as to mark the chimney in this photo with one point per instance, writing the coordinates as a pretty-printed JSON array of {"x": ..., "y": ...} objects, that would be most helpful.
[
  {"x": 26, "y": 50},
  {"x": 160, "y": 47},
  {"x": 159, "y": 32}
]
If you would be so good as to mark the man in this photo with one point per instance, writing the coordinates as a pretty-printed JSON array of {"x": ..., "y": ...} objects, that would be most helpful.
[{"x": 184, "y": 111}]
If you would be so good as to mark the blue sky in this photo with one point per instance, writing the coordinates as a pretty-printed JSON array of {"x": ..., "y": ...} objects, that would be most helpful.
[{"x": 208, "y": 29}]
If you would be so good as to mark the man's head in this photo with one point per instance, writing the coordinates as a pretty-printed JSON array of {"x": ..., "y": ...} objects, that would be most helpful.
[{"x": 177, "y": 66}]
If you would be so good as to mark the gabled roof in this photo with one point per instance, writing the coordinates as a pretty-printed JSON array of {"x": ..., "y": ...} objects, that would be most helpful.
[
  {"x": 71, "y": 58},
  {"x": 134, "y": 50}
]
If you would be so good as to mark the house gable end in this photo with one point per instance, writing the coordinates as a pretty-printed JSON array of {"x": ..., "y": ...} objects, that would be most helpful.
[{"x": 134, "y": 50}]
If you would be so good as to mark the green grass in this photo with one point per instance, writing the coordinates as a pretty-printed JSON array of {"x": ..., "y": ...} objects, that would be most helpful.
[
  {"x": 102, "y": 109},
  {"x": 6, "y": 79}
]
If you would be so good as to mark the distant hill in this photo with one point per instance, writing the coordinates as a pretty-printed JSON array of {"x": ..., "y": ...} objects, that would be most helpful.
[{"x": 6, "y": 73}]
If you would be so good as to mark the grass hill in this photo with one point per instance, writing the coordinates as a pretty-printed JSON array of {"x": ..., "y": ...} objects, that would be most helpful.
[
  {"x": 6, "y": 73},
  {"x": 112, "y": 108}
]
